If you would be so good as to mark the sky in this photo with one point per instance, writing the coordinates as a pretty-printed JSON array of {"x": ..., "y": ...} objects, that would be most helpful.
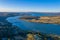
[{"x": 29, "y": 5}]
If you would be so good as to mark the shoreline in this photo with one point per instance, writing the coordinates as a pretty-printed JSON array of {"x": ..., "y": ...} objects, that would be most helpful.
[{"x": 53, "y": 35}]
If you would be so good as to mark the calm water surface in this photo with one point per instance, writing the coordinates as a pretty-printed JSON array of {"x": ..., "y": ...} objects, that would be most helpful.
[{"x": 32, "y": 26}]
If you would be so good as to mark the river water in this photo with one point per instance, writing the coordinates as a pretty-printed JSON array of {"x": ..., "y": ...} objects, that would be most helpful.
[{"x": 32, "y": 26}]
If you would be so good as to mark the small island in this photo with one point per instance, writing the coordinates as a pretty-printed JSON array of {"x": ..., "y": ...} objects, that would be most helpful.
[{"x": 43, "y": 19}]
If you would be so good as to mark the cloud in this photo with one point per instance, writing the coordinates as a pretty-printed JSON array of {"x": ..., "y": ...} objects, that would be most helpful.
[
  {"x": 2, "y": 9},
  {"x": 12, "y": 10}
]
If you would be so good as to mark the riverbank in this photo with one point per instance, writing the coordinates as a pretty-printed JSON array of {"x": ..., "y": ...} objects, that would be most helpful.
[
  {"x": 44, "y": 19},
  {"x": 48, "y": 31}
]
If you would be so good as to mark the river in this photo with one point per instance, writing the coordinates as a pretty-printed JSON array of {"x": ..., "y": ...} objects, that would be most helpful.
[{"x": 33, "y": 26}]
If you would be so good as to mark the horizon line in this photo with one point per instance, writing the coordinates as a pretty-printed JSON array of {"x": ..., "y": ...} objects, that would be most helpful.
[{"x": 33, "y": 11}]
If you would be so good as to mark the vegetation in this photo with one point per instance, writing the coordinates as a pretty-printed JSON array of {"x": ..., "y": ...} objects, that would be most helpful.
[
  {"x": 46, "y": 19},
  {"x": 7, "y": 30}
]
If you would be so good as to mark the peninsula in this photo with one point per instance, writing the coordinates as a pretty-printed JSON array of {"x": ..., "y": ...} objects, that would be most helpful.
[{"x": 43, "y": 19}]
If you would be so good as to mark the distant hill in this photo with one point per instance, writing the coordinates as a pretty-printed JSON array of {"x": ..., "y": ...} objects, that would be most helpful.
[{"x": 29, "y": 13}]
